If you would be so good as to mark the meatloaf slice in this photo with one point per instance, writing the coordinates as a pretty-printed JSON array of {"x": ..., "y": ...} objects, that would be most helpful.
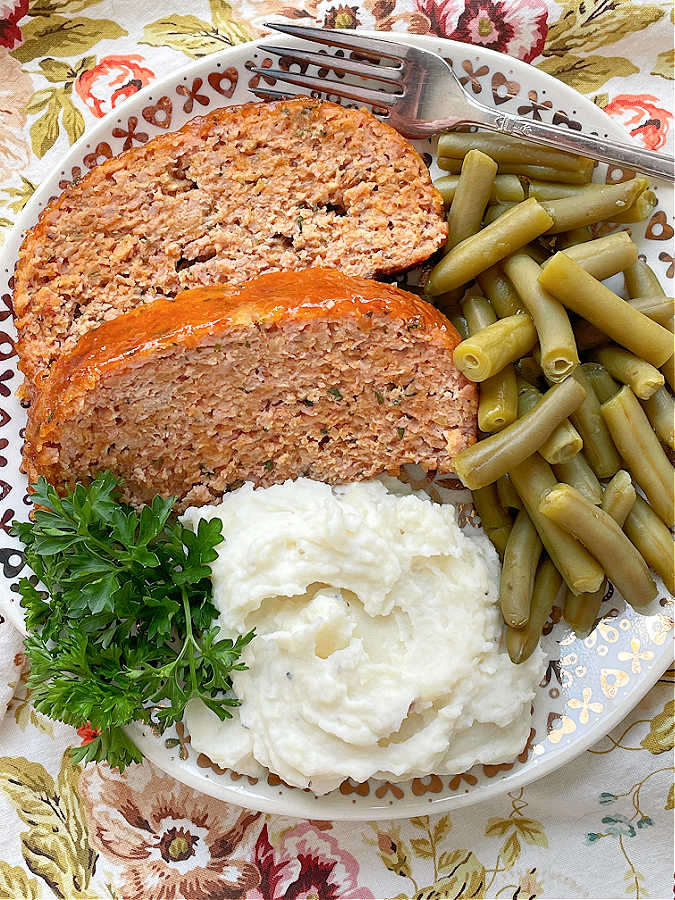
[
  {"x": 310, "y": 373},
  {"x": 245, "y": 190}
]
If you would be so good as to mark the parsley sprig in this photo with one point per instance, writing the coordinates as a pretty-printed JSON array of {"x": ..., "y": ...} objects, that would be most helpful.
[{"x": 127, "y": 633}]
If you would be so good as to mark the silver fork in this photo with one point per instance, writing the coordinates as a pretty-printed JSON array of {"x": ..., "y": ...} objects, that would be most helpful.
[{"x": 419, "y": 95}]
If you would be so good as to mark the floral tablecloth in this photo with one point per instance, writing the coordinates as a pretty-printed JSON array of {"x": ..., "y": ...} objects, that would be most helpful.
[{"x": 601, "y": 827}]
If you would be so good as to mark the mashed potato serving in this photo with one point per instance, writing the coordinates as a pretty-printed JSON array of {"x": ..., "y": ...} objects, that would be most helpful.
[{"x": 377, "y": 649}]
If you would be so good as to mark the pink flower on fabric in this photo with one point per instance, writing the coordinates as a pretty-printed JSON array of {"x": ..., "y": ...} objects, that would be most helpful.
[
  {"x": 640, "y": 115},
  {"x": 110, "y": 82},
  {"x": 516, "y": 27},
  {"x": 171, "y": 841},
  {"x": 309, "y": 864},
  {"x": 10, "y": 13}
]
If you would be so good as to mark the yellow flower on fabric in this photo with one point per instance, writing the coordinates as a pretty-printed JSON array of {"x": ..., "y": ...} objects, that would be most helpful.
[
  {"x": 635, "y": 656},
  {"x": 585, "y": 705}
]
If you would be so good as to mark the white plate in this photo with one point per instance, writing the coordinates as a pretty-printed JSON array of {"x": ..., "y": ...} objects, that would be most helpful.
[{"x": 590, "y": 684}]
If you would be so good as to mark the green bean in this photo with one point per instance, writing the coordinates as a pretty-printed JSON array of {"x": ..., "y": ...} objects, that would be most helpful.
[
  {"x": 642, "y": 281},
  {"x": 579, "y": 474},
  {"x": 582, "y": 175},
  {"x": 503, "y": 148},
  {"x": 643, "y": 378},
  {"x": 651, "y": 537},
  {"x": 521, "y": 556},
  {"x": 565, "y": 441},
  {"x": 508, "y": 189},
  {"x": 505, "y": 188},
  {"x": 558, "y": 350},
  {"x": 619, "y": 497},
  {"x": 518, "y": 226},
  {"x": 582, "y": 610},
  {"x": 460, "y": 324},
  {"x": 508, "y": 496},
  {"x": 604, "y": 539},
  {"x": 660, "y": 309},
  {"x": 486, "y": 461},
  {"x": 522, "y": 642},
  {"x": 668, "y": 370},
  {"x": 498, "y": 398},
  {"x": 551, "y": 190},
  {"x": 471, "y": 197},
  {"x": 496, "y": 522},
  {"x": 587, "y": 336},
  {"x": 574, "y": 237},
  {"x": 604, "y": 256},
  {"x": 586, "y": 208},
  {"x": 660, "y": 409},
  {"x": 454, "y": 166},
  {"x": 496, "y": 210},
  {"x": 591, "y": 299},
  {"x": 529, "y": 369},
  {"x": 602, "y": 383},
  {"x": 488, "y": 351},
  {"x": 640, "y": 210},
  {"x": 599, "y": 450},
  {"x": 643, "y": 454},
  {"x": 500, "y": 292},
  {"x": 533, "y": 479}
]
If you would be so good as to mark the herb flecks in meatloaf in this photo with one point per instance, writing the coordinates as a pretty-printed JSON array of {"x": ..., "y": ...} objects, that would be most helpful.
[
  {"x": 310, "y": 373},
  {"x": 245, "y": 190}
]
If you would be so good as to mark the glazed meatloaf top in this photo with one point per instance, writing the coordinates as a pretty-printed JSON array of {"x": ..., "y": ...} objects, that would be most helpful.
[
  {"x": 309, "y": 373},
  {"x": 245, "y": 190}
]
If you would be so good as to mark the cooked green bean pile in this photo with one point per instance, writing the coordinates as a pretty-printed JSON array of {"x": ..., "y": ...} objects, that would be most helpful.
[{"x": 576, "y": 409}]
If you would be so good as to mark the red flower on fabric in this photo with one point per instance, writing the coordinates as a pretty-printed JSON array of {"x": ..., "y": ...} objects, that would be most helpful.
[
  {"x": 10, "y": 13},
  {"x": 308, "y": 864},
  {"x": 645, "y": 120},
  {"x": 110, "y": 82},
  {"x": 87, "y": 733},
  {"x": 516, "y": 27}
]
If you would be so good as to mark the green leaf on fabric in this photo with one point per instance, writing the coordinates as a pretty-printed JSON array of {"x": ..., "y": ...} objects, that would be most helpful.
[
  {"x": 73, "y": 120},
  {"x": 422, "y": 848},
  {"x": 190, "y": 35},
  {"x": 441, "y": 828},
  {"x": 531, "y": 830},
  {"x": 45, "y": 130},
  {"x": 15, "y": 883},
  {"x": 661, "y": 735},
  {"x": 498, "y": 827},
  {"x": 60, "y": 36},
  {"x": 467, "y": 878},
  {"x": 49, "y": 7},
  {"x": 19, "y": 196},
  {"x": 52, "y": 847},
  {"x": 56, "y": 70},
  {"x": 665, "y": 65},
  {"x": 670, "y": 799},
  {"x": 586, "y": 73},
  {"x": 39, "y": 100},
  {"x": 221, "y": 14},
  {"x": 510, "y": 852},
  {"x": 586, "y": 25},
  {"x": 193, "y": 36}
]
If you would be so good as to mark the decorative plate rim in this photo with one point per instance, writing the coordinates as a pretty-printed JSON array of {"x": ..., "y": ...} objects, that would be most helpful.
[{"x": 295, "y": 802}]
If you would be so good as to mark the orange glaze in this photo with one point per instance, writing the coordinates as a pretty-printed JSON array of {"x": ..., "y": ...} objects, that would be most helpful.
[{"x": 202, "y": 313}]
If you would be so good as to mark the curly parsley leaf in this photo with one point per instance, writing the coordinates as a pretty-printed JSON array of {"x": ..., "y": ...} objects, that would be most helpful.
[{"x": 127, "y": 633}]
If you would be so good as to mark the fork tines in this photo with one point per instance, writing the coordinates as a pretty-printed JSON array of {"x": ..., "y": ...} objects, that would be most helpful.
[
  {"x": 346, "y": 40},
  {"x": 370, "y": 48}
]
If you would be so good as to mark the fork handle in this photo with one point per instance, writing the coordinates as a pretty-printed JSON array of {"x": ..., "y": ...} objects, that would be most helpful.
[{"x": 625, "y": 155}]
